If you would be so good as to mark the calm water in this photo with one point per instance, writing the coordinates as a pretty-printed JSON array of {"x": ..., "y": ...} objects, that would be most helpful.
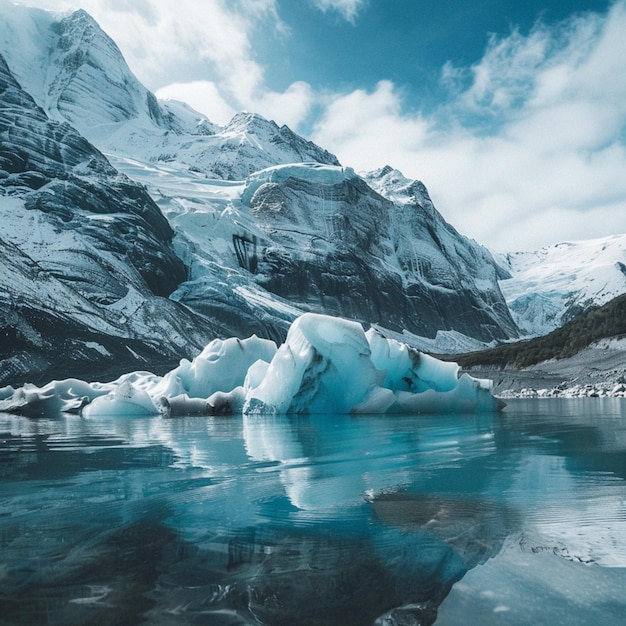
[{"x": 517, "y": 518}]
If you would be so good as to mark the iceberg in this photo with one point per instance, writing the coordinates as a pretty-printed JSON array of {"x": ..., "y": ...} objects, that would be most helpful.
[
  {"x": 326, "y": 365},
  {"x": 330, "y": 365}
]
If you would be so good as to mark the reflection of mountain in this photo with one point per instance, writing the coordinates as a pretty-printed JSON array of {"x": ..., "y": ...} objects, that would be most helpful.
[
  {"x": 308, "y": 520},
  {"x": 442, "y": 537},
  {"x": 185, "y": 519},
  {"x": 473, "y": 528}
]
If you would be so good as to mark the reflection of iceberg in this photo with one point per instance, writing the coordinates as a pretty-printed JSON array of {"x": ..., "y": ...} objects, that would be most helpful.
[
  {"x": 334, "y": 464},
  {"x": 326, "y": 365},
  {"x": 317, "y": 487}
]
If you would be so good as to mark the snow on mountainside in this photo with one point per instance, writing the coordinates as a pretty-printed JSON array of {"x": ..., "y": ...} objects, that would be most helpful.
[
  {"x": 86, "y": 256},
  {"x": 260, "y": 225},
  {"x": 35, "y": 42},
  {"x": 315, "y": 237},
  {"x": 327, "y": 243},
  {"x": 76, "y": 73},
  {"x": 550, "y": 287}
]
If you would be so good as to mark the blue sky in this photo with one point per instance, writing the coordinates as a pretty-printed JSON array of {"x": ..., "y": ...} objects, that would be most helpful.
[
  {"x": 512, "y": 113},
  {"x": 405, "y": 41}
]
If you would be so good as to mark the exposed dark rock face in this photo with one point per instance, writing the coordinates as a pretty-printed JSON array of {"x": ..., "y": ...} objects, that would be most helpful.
[
  {"x": 85, "y": 251},
  {"x": 57, "y": 172},
  {"x": 343, "y": 249}
]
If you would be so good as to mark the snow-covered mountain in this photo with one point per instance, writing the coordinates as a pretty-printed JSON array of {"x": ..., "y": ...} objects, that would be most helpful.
[
  {"x": 86, "y": 258},
  {"x": 234, "y": 230},
  {"x": 77, "y": 74},
  {"x": 550, "y": 287}
]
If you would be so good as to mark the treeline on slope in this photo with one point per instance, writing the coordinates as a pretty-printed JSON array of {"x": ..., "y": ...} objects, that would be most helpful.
[{"x": 598, "y": 323}]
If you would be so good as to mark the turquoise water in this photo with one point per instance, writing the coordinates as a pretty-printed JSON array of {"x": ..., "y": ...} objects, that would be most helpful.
[{"x": 515, "y": 518}]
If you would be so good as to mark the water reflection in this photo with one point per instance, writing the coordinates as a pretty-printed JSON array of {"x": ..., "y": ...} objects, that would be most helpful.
[{"x": 305, "y": 520}]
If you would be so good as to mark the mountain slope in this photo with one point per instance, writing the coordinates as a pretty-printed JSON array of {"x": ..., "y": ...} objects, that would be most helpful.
[
  {"x": 429, "y": 278},
  {"x": 85, "y": 251},
  {"x": 550, "y": 287},
  {"x": 604, "y": 322},
  {"x": 334, "y": 242},
  {"x": 310, "y": 237}
]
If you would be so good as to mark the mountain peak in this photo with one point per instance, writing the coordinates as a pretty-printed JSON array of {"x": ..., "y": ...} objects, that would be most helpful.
[
  {"x": 80, "y": 19},
  {"x": 394, "y": 185},
  {"x": 74, "y": 70},
  {"x": 250, "y": 123}
]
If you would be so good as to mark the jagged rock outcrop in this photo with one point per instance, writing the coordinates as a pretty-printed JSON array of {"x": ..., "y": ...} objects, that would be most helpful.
[{"x": 85, "y": 251}]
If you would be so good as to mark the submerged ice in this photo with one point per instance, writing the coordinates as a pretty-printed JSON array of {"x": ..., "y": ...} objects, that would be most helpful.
[{"x": 326, "y": 365}]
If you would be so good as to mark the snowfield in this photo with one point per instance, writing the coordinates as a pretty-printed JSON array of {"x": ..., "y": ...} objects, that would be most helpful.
[{"x": 549, "y": 287}]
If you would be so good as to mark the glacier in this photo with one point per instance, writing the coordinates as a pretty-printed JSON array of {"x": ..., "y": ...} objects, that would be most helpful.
[
  {"x": 325, "y": 365},
  {"x": 549, "y": 287}
]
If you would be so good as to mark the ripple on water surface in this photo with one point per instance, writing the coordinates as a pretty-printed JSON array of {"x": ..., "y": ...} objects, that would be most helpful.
[{"x": 318, "y": 519}]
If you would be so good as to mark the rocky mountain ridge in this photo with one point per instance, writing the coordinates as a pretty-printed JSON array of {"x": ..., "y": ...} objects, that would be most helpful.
[
  {"x": 213, "y": 231},
  {"x": 86, "y": 254}
]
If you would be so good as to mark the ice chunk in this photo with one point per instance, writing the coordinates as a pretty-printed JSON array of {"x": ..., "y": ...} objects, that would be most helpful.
[
  {"x": 182, "y": 405},
  {"x": 470, "y": 395},
  {"x": 326, "y": 365},
  {"x": 220, "y": 367},
  {"x": 126, "y": 400},
  {"x": 330, "y": 365},
  {"x": 407, "y": 369},
  {"x": 68, "y": 395},
  {"x": 6, "y": 392},
  {"x": 323, "y": 367}
]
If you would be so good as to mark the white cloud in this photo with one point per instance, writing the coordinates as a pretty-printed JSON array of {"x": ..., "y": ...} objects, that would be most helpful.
[
  {"x": 202, "y": 95},
  {"x": 290, "y": 107},
  {"x": 348, "y": 9},
  {"x": 165, "y": 42},
  {"x": 530, "y": 150},
  {"x": 369, "y": 128}
]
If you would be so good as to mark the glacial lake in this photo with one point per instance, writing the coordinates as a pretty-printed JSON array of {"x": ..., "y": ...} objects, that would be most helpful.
[{"x": 515, "y": 518}]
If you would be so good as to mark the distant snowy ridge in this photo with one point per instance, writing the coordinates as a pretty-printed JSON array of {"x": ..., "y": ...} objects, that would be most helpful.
[{"x": 550, "y": 287}]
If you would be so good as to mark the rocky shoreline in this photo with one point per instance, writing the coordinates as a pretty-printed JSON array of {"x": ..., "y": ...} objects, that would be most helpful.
[{"x": 599, "y": 371}]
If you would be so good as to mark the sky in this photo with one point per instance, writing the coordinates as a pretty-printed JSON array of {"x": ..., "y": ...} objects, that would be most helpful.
[{"x": 512, "y": 113}]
